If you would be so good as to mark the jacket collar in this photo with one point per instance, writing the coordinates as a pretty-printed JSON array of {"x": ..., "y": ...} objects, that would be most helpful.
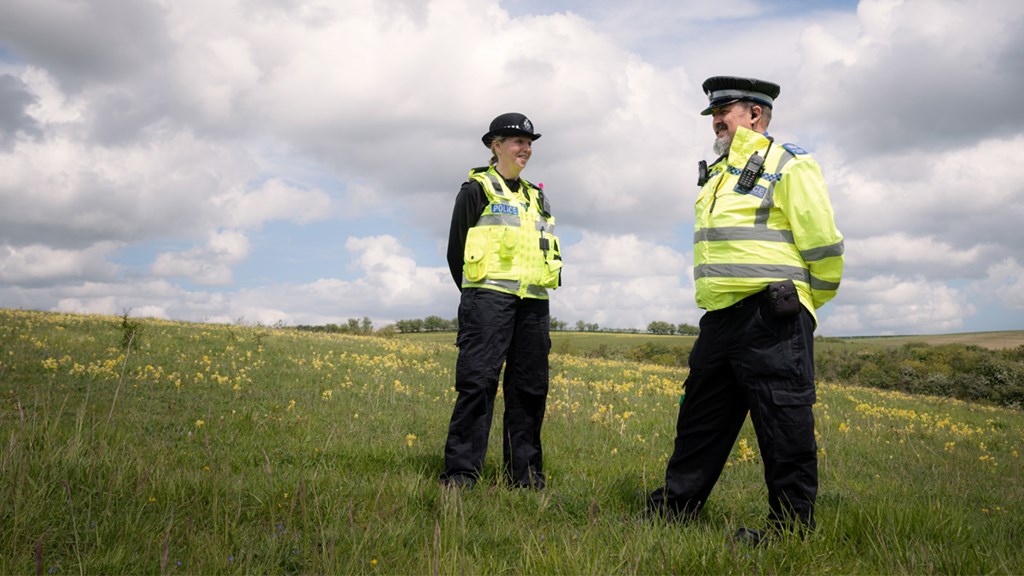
[{"x": 744, "y": 144}]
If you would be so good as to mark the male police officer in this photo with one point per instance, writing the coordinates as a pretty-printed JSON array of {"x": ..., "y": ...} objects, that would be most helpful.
[{"x": 766, "y": 255}]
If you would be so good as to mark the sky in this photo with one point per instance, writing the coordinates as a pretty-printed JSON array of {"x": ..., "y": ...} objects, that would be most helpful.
[{"x": 295, "y": 162}]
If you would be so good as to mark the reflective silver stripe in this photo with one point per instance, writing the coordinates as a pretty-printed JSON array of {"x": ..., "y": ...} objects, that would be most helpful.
[
  {"x": 765, "y": 209},
  {"x": 543, "y": 226},
  {"x": 729, "y": 233},
  {"x": 768, "y": 202},
  {"x": 537, "y": 291},
  {"x": 511, "y": 285},
  {"x": 496, "y": 186},
  {"x": 819, "y": 284},
  {"x": 783, "y": 160},
  {"x": 795, "y": 273},
  {"x": 498, "y": 219},
  {"x": 815, "y": 254},
  {"x": 762, "y": 271}
]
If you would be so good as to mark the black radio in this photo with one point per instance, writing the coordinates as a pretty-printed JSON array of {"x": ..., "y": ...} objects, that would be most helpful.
[{"x": 751, "y": 172}]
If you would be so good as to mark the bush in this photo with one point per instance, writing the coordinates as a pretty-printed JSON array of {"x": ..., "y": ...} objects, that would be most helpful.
[
  {"x": 964, "y": 372},
  {"x": 662, "y": 354}
]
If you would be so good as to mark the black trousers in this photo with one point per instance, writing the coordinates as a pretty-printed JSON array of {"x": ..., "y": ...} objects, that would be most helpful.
[
  {"x": 494, "y": 328},
  {"x": 747, "y": 361}
]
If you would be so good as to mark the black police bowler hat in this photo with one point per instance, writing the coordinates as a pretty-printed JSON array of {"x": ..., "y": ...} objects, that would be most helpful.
[
  {"x": 509, "y": 124},
  {"x": 722, "y": 90}
]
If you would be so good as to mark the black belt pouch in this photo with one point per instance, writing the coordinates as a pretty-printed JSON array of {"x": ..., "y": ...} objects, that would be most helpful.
[{"x": 783, "y": 300}]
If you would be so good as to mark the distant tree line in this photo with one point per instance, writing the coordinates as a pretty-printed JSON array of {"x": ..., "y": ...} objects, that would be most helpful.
[
  {"x": 428, "y": 324},
  {"x": 364, "y": 327},
  {"x": 659, "y": 327}
]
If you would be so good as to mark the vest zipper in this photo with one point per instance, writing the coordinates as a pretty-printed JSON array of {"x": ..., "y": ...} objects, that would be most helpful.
[{"x": 721, "y": 178}]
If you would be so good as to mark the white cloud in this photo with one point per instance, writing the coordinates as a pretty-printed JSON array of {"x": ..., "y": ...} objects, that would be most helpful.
[
  {"x": 40, "y": 264},
  {"x": 623, "y": 282},
  {"x": 887, "y": 305},
  {"x": 900, "y": 249},
  {"x": 64, "y": 190},
  {"x": 1004, "y": 282},
  {"x": 274, "y": 200},
  {"x": 917, "y": 75},
  {"x": 157, "y": 299},
  {"x": 206, "y": 266},
  {"x": 392, "y": 273},
  {"x": 944, "y": 215}
]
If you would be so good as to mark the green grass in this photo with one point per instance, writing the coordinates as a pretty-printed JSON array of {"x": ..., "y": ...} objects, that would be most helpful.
[
  {"x": 614, "y": 345},
  {"x": 207, "y": 449}
]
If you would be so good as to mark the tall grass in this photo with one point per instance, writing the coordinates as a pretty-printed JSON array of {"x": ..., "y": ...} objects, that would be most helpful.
[{"x": 234, "y": 449}]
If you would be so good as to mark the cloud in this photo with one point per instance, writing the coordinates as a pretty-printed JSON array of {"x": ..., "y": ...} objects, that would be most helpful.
[
  {"x": 68, "y": 192},
  {"x": 623, "y": 281},
  {"x": 1004, "y": 282},
  {"x": 37, "y": 264},
  {"x": 887, "y": 305},
  {"x": 85, "y": 43},
  {"x": 944, "y": 215},
  {"x": 924, "y": 254},
  {"x": 274, "y": 200},
  {"x": 15, "y": 98},
  {"x": 917, "y": 76},
  {"x": 207, "y": 266},
  {"x": 388, "y": 286}
]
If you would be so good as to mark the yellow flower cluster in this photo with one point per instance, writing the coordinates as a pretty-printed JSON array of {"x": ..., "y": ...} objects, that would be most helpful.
[
  {"x": 746, "y": 453},
  {"x": 914, "y": 418}
]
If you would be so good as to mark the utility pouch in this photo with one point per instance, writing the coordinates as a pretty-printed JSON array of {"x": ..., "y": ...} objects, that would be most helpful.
[{"x": 783, "y": 300}]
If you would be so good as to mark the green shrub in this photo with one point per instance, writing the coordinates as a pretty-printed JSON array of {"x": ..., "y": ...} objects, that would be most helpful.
[{"x": 965, "y": 372}]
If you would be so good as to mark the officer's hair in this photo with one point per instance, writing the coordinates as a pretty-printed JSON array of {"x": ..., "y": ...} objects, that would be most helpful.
[
  {"x": 766, "y": 111},
  {"x": 496, "y": 140}
]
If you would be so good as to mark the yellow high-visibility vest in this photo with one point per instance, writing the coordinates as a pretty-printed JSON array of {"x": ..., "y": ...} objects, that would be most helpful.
[
  {"x": 512, "y": 248},
  {"x": 782, "y": 227}
]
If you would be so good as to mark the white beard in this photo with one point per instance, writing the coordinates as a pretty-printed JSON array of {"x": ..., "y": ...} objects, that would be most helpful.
[{"x": 722, "y": 145}]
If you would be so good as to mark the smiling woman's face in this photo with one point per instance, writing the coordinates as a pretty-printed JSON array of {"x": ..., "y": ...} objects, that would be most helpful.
[{"x": 513, "y": 153}]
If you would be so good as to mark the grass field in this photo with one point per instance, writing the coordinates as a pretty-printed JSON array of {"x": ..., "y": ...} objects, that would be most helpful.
[
  {"x": 994, "y": 340},
  {"x": 212, "y": 449},
  {"x": 613, "y": 343}
]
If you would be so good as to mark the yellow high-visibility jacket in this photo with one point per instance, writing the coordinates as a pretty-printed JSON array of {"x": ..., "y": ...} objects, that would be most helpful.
[
  {"x": 512, "y": 248},
  {"x": 783, "y": 227}
]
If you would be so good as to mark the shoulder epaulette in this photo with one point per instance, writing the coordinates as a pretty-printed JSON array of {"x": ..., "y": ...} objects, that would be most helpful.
[
  {"x": 479, "y": 170},
  {"x": 794, "y": 149}
]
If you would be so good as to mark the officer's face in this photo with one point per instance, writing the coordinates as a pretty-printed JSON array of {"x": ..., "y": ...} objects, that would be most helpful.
[
  {"x": 725, "y": 119},
  {"x": 514, "y": 151}
]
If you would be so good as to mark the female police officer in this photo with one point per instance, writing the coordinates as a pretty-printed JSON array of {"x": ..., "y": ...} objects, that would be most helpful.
[{"x": 504, "y": 257}]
